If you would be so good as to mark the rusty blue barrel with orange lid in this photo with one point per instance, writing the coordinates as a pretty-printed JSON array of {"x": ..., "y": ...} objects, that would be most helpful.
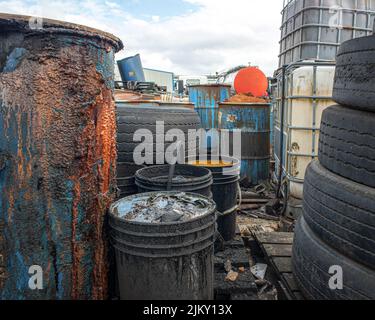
[{"x": 253, "y": 120}]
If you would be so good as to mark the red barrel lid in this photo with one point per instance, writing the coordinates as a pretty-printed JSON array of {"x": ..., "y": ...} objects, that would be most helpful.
[{"x": 251, "y": 80}]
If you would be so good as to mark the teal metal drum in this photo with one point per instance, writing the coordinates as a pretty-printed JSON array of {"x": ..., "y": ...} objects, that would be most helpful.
[
  {"x": 254, "y": 122},
  {"x": 206, "y": 99}
]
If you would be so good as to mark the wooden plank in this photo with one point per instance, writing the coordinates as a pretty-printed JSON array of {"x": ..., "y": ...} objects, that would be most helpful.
[
  {"x": 277, "y": 247},
  {"x": 278, "y": 250},
  {"x": 275, "y": 237},
  {"x": 283, "y": 264}
]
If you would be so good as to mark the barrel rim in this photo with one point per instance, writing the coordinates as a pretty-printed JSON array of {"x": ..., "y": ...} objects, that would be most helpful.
[
  {"x": 154, "y": 105},
  {"x": 212, "y": 85},
  {"x": 235, "y": 162},
  {"x": 196, "y": 181},
  {"x": 244, "y": 104},
  {"x": 20, "y": 23},
  {"x": 137, "y": 101},
  {"x": 211, "y": 210},
  {"x": 162, "y": 103}
]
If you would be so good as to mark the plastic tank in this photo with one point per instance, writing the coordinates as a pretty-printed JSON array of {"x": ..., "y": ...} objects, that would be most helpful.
[
  {"x": 308, "y": 93},
  {"x": 57, "y": 158},
  {"x": 314, "y": 29}
]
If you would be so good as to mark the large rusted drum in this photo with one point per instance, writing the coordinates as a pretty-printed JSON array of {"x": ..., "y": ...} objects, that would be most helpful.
[{"x": 57, "y": 158}]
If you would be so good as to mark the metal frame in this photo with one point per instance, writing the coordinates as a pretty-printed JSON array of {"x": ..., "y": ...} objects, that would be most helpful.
[
  {"x": 284, "y": 51},
  {"x": 277, "y": 101}
]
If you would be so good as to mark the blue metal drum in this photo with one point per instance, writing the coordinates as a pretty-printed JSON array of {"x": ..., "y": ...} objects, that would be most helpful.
[
  {"x": 206, "y": 99},
  {"x": 253, "y": 119},
  {"x": 131, "y": 69}
]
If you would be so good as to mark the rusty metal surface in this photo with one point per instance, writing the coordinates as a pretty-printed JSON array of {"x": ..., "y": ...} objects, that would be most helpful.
[
  {"x": 58, "y": 155},
  {"x": 206, "y": 99},
  {"x": 20, "y": 23},
  {"x": 253, "y": 119}
]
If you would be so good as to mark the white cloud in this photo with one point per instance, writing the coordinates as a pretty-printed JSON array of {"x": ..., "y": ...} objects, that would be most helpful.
[{"x": 220, "y": 34}]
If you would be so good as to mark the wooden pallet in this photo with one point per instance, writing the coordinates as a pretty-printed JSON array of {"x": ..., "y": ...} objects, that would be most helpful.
[{"x": 277, "y": 248}]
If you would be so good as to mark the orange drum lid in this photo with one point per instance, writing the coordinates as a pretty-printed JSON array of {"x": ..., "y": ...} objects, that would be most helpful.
[{"x": 251, "y": 80}]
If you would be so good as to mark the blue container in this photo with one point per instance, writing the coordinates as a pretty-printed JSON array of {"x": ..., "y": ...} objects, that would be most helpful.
[
  {"x": 206, "y": 99},
  {"x": 131, "y": 69},
  {"x": 254, "y": 122}
]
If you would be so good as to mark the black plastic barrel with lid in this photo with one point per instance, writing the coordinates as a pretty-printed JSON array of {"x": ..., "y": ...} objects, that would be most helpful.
[{"x": 226, "y": 176}]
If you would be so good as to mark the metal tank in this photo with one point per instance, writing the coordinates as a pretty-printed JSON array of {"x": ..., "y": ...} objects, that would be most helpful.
[
  {"x": 314, "y": 29},
  {"x": 253, "y": 119},
  {"x": 206, "y": 99},
  {"x": 57, "y": 157}
]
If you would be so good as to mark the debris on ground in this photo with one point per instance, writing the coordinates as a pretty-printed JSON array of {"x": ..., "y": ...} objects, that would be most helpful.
[
  {"x": 246, "y": 98},
  {"x": 162, "y": 208},
  {"x": 259, "y": 270},
  {"x": 268, "y": 292},
  {"x": 232, "y": 276},
  {"x": 228, "y": 266}
]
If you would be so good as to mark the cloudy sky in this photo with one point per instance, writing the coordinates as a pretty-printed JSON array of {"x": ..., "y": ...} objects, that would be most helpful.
[{"x": 182, "y": 36}]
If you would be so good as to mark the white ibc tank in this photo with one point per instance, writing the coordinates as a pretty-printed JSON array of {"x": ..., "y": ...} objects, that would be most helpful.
[{"x": 308, "y": 94}]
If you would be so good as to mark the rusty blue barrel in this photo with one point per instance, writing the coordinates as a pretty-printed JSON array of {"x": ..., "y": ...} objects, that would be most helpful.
[
  {"x": 57, "y": 158},
  {"x": 253, "y": 119},
  {"x": 206, "y": 99}
]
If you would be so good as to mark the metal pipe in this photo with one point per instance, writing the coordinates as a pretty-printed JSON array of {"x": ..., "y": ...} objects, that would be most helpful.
[{"x": 281, "y": 154}]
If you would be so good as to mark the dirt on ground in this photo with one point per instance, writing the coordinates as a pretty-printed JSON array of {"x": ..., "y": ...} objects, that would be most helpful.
[{"x": 247, "y": 98}]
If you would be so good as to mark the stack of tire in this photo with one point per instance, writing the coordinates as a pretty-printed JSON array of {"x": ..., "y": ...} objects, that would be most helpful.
[
  {"x": 130, "y": 119},
  {"x": 337, "y": 231}
]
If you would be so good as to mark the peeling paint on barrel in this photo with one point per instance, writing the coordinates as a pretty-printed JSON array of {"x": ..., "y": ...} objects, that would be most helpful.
[
  {"x": 58, "y": 149},
  {"x": 206, "y": 99},
  {"x": 253, "y": 119}
]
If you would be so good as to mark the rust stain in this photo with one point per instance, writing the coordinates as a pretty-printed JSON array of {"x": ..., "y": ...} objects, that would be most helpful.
[
  {"x": 247, "y": 98},
  {"x": 63, "y": 169}
]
